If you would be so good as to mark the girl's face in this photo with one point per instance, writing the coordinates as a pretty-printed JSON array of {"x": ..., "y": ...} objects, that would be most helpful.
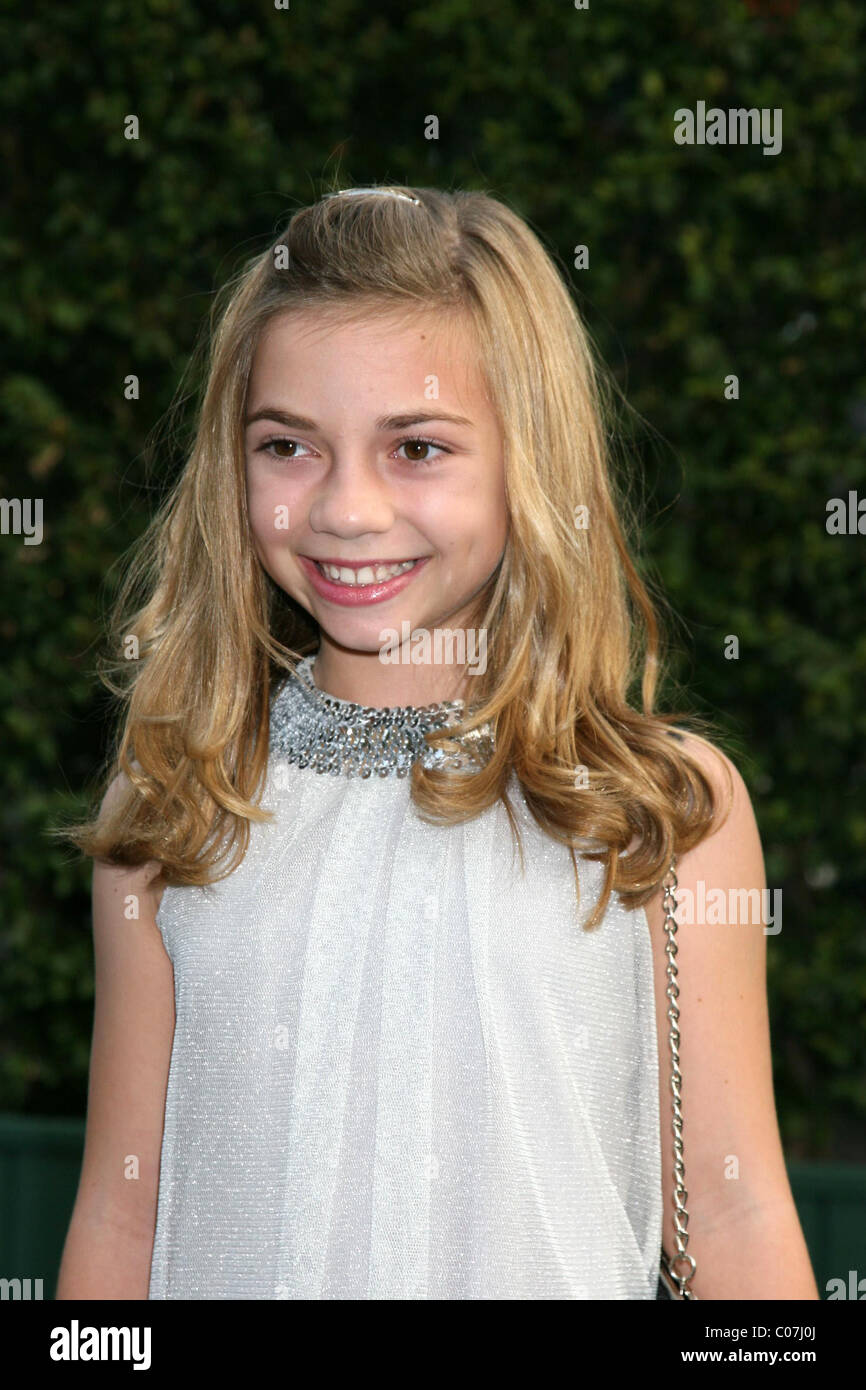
[{"x": 373, "y": 444}]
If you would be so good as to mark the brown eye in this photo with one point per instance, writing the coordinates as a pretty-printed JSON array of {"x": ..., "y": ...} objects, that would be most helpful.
[
  {"x": 274, "y": 448},
  {"x": 418, "y": 444},
  {"x": 424, "y": 446}
]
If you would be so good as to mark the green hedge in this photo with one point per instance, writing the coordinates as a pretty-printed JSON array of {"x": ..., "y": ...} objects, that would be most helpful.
[{"x": 704, "y": 261}]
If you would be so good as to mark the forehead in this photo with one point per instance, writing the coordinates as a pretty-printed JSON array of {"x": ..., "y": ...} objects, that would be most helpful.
[{"x": 430, "y": 330}]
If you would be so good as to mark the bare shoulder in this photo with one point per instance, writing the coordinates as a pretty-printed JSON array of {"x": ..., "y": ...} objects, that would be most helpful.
[
  {"x": 732, "y": 848},
  {"x": 715, "y": 873},
  {"x": 121, "y": 880}
]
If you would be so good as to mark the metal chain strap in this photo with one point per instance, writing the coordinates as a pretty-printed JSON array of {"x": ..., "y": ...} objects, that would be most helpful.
[{"x": 681, "y": 1216}]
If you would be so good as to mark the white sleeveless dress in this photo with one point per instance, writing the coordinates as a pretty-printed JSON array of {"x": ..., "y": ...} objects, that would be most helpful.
[{"x": 401, "y": 1069}]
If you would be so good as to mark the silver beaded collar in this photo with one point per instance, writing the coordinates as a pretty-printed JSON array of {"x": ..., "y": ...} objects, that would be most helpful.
[{"x": 322, "y": 732}]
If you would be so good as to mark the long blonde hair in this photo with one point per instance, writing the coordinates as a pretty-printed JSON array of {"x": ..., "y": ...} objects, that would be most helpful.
[{"x": 573, "y": 631}]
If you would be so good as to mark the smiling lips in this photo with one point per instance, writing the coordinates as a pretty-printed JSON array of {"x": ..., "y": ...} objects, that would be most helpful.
[{"x": 360, "y": 581}]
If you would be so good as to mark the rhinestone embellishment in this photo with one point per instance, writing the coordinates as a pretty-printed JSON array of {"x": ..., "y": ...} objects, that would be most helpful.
[{"x": 326, "y": 734}]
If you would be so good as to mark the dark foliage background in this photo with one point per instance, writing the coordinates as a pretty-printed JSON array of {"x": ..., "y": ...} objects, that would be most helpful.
[{"x": 704, "y": 261}]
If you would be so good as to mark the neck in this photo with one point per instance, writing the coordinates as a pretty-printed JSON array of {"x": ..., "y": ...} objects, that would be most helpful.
[{"x": 366, "y": 679}]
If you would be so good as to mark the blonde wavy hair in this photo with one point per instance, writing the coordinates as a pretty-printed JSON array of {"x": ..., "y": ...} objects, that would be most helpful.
[{"x": 573, "y": 632}]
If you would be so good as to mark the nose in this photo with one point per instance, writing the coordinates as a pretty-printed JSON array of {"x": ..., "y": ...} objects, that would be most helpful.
[{"x": 353, "y": 499}]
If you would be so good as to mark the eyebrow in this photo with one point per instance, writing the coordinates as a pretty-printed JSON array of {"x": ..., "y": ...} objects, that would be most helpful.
[{"x": 384, "y": 423}]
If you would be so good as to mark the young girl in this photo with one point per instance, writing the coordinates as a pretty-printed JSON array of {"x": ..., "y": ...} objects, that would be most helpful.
[{"x": 379, "y": 916}]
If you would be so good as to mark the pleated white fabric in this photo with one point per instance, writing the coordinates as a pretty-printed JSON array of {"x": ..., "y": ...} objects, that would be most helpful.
[{"x": 401, "y": 1069}]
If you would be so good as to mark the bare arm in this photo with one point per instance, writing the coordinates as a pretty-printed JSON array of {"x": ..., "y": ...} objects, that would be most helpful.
[
  {"x": 744, "y": 1231},
  {"x": 110, "y": 1239}
]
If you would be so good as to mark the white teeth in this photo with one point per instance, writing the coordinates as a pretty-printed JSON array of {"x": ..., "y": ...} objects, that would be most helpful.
[{"x": 369, "y": 574}]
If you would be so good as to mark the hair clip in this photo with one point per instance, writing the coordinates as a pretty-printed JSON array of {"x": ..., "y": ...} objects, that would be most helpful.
[{"x": 375, "y": 192}]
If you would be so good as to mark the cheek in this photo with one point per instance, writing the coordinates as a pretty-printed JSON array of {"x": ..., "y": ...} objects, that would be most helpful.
[
  {"x": 261, "y": 514},
  {"x": 484, "y": 525},
  {"x": 277, "y": 504},
  {"x": 268, "y": 508},
  {"x": 269, "y": 529}
]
